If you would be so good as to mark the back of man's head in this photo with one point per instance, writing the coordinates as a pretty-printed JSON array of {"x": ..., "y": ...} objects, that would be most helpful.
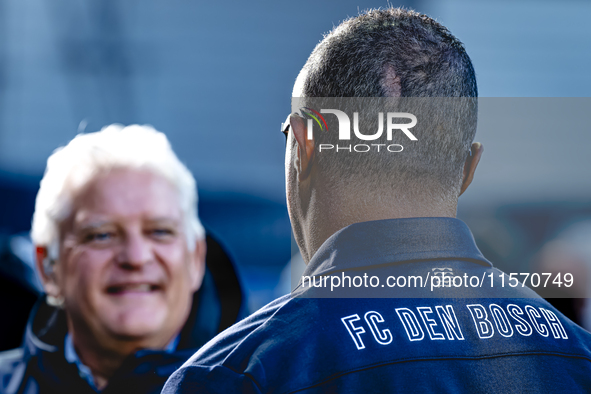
[{"x": 402, "y": 54}]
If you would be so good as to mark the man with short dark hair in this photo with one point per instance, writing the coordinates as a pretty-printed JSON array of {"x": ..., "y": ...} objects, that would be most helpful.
[{"x": 396, "y": 297}]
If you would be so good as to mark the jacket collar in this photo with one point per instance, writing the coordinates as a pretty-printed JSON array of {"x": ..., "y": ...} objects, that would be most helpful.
[{"x": 395, "y": 241}]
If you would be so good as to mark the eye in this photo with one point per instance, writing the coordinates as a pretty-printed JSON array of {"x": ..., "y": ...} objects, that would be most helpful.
[
  {"x": 162, "y": 233},
  {"x": 99, "y": 237}
]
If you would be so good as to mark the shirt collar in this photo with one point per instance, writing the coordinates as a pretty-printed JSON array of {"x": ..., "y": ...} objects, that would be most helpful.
[
  {"x": 85, "y": 373},
  {"x": 395, "y": 241},
  {"x": 72, "y": 358}
]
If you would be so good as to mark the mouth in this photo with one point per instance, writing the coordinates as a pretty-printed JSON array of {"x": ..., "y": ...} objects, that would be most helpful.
[{"x": 133, "y": 288}]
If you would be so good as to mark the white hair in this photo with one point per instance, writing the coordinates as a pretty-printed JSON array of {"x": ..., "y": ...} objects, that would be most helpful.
[{"x": 73, "y": 166}]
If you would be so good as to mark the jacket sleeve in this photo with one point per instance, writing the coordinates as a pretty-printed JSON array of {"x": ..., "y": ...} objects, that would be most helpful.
[{"x": 210, "y": 379}]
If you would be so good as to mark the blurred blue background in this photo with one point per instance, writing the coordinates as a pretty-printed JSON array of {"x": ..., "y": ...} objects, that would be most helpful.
[{"x": 216, "y": 77}]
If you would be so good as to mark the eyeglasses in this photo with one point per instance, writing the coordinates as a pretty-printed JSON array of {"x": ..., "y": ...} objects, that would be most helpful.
[
  {"x": 285, "y": 127},
  {"x": 304, "y": 113}
]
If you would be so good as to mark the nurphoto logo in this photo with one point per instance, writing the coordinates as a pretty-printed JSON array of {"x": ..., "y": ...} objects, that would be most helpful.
[{"x": 344, "y": 129}]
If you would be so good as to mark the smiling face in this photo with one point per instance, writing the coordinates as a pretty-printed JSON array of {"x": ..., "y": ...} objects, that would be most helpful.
[{"x": 125, "y": 271}]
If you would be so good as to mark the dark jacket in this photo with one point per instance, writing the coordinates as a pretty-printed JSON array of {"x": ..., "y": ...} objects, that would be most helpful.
[
  {"x": 39, "y": 366},
  {"x": 394, "y": 333}
]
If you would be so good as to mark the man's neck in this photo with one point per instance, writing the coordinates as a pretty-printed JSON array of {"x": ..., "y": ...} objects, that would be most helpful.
[
  {"x": 103, "y": 359},
  {"x": 334, "y": 214},
  {"x": 101, "y": 364},
  {"x": 96, "y": 371}
]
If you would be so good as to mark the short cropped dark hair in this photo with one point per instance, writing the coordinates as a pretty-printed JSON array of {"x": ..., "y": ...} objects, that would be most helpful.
[{"x": 400, "y": 53}]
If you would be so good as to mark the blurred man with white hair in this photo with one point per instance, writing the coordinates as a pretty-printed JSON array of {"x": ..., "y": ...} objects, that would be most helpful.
[{"x": 121, "y": 253}]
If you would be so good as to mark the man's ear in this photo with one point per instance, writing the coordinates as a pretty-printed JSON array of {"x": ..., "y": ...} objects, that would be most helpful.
[
  {"x": 470, "y": 165},
  {"x": 46, "y": 269},
  {"x": 197, "y": 268},
  {"x": 305, "y": 147}
]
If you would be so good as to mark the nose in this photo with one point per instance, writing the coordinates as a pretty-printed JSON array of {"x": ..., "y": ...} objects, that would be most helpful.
[{"x": 135, "y": 252}]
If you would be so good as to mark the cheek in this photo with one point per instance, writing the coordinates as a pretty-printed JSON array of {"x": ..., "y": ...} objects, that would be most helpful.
[
  {"x": 290, "y": 179},
  {"x": 289, "y": 161},
  {"x": 176, "y": 261},
  {"x": 82, "y": 274}
]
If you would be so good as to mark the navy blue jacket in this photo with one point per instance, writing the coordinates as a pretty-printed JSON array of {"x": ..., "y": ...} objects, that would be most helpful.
[
  {"x": 40, "y": 367},
  {"x": 463, "y": 337}
]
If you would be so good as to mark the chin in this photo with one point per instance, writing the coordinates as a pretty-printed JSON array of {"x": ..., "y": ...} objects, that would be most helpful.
[{"x": 139, "y": 324}]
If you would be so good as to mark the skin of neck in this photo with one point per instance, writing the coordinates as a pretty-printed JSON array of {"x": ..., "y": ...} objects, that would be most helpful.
[
  {"x": 330, "y": 209},
  {"x": 103, "y": 360}
]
